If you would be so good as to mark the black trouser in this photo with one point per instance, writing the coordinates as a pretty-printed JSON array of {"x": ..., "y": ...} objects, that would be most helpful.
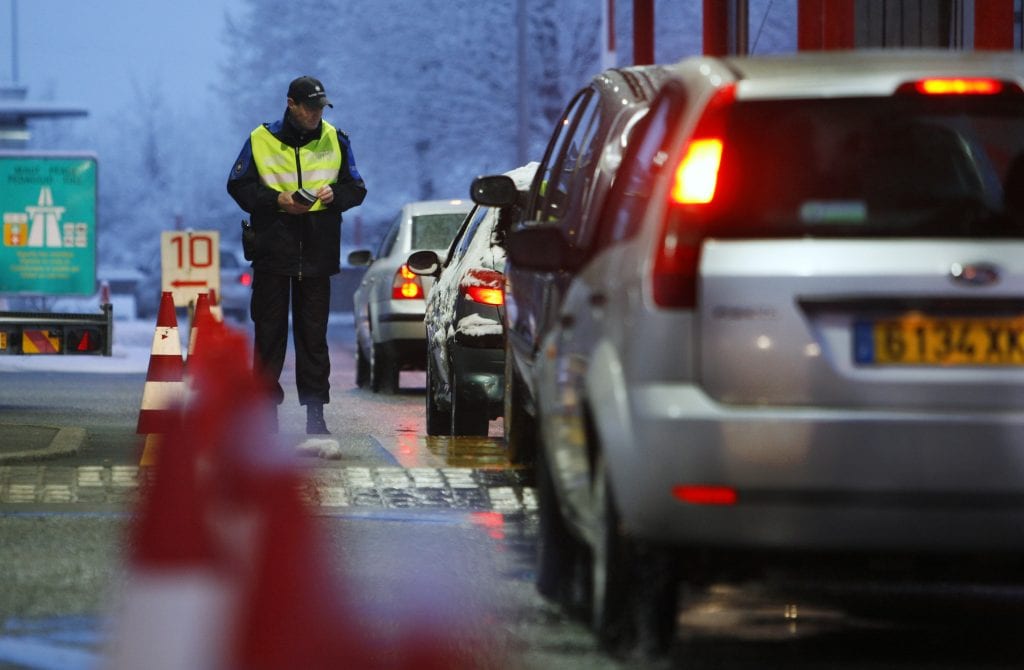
[{"x": 310, "y": 303}]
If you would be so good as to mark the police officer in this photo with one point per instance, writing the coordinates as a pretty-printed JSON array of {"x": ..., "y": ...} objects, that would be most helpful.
[{"x": 295, "y": 177}]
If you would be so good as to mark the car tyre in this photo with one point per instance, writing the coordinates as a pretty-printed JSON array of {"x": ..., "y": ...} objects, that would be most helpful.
[
  {"x": 634, "y": 588},
  {"x": 469, "y": 408},
  {"x": 562, "y": 565},
  {"x": 383, "y": 371},
  {"x": 438, "y": 420},
  {"x": 362, "y": 368},
  {"x": 520, "y": 427}
]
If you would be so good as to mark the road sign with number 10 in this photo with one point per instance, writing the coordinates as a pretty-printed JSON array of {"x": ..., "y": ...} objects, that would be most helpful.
[{"x": 190, "y": 263}]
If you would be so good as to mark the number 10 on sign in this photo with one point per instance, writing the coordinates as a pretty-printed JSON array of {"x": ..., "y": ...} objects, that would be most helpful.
[{"x": 190, "y": 263}]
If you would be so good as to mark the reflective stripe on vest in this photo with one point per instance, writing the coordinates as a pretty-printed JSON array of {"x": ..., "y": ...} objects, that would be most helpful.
[{"x": 276, "y": 161}]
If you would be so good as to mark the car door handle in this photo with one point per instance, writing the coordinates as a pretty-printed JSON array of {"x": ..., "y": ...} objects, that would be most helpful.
[
  {"x": 567, "y": 320},
  {"x": 598, "y": 300}
]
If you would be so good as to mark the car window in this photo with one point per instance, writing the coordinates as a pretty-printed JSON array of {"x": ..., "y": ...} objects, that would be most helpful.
[
  {"x": 644, "y": 159},
  {"x": 578, "y": 169},
  {"x": 900, "y": 165},
  {"x": 473, "y": 222},
  {"x": 435, "y": 231},
  {"x": 389, "y": 238},
  {"x": 563, "y": 153}
]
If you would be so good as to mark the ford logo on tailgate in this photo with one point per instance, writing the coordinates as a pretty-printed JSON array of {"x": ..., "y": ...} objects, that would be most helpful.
[{"x": 974, "y": 274}]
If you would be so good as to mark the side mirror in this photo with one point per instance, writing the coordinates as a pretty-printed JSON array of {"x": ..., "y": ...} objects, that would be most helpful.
[
  {"x": 537, "y": 247},
  {"x": 494, "y": 191},
  {"x": 360, "y": 257},
  {"x": 424, "y": 263}
]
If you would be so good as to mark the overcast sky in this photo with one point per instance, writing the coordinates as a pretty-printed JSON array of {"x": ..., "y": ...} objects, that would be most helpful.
[{"x": 95, "y": 53}]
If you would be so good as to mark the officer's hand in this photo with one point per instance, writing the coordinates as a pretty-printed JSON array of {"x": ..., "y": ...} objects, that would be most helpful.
[
  {"x": 326, "y": 194},
  {"x": 285, "y": 201}
]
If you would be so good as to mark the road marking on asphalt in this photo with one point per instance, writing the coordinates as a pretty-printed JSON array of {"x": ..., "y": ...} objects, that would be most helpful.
[{"x": 468, "y": 489}]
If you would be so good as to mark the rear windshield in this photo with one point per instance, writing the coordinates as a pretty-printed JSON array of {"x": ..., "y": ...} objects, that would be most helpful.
[
  {"x": 435, "y": 231},
  {"x": 902, "y": 166}
]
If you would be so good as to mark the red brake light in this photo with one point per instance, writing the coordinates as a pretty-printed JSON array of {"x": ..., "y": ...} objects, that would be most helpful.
[
  {"x": 674, "y": 280},
  {"x": 245, "y": 279},
  {"x": 703, "y": 494},
  {"x": 697, "y": 174},
  {"x": 406, "y": 285},
  {"x": 959, "y": 86},
  {"x": 486, "y": 287}
]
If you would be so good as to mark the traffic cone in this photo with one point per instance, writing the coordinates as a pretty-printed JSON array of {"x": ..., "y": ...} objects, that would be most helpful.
[
  {"x": 164, "y": 390},
  {"x": 199, "y": 316},
  {"x": 176, "y": 601},
  {"x": 215, "y": 307}
]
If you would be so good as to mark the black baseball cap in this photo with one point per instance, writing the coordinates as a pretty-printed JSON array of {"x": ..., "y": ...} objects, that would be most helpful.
[{"x": 308, "y": 91}]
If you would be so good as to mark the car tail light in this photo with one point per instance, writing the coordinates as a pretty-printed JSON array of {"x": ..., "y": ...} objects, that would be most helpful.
[
  {"x": 486, "y": 287},
  {"x": 697, "y": 174},
  {"x": 958, "y": 86},
  {"x": 674, "y": 280},
  {"x": 245, "y": 279},
  {"x": 406, "y": 285},
  {"x": 704, "y": 494}
]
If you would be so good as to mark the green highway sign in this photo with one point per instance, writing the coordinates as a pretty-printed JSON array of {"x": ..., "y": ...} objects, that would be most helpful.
[{"x": 48, "y": 204}]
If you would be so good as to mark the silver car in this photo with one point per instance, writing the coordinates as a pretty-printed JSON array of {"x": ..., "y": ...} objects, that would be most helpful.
[
  {"x": 802, "y": 331},
  {"x": 389, "y": 303}
]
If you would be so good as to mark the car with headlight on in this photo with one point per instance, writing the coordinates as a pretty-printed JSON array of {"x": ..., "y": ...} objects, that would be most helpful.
[
  {"x": 802, "y": 335},
  {"x": 464, "y": 320},
  {"x": 389, "y": 302}
]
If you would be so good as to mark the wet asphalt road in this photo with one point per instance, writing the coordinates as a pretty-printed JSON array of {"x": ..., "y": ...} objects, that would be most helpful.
[{"x": 456, "y": 554}]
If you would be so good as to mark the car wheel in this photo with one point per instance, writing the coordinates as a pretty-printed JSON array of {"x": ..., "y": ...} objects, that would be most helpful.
[
  {"x": 362, "y": 368},
  {"x": 520, "y": 428},
  {"x": 562, "y": 560},
  {"x": 634, "y": 588},
  {"x": 383, "y": 371},
  {"x": 438, "y": 420},
  {"x": 469, "y": 407}
]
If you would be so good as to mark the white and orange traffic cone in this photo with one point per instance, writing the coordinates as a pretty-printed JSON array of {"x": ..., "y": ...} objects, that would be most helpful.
[
  {"x": 199, "y": 316},
  {"x": 164, "y": 391}
]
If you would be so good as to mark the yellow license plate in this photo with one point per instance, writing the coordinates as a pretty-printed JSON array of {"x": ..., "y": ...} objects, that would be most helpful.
[{"x": 924, "y": 340}]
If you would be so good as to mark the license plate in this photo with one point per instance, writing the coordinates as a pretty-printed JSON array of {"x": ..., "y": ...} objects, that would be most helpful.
[{"x": 924, "y": 340}]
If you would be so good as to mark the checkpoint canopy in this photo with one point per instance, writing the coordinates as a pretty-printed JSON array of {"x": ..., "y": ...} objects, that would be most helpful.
[
  {"x": 190, "y": 264},
  {"x": 48, "y": 204}
]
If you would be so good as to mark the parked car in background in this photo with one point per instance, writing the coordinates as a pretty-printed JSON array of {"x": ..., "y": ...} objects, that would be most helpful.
[
  {"x": 389, "y": 303},
  {"x": 567, "y": 192},
  {"x": 235, "y": 283},
  {"x": 800, "y": 338},
  {"x": 464, "y": 320}
]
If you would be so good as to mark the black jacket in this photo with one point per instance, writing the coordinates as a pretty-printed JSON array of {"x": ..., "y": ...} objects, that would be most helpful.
[{"x": 288, "y": 244}]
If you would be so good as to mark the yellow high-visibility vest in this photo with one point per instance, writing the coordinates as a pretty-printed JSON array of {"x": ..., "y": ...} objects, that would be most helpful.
[{"x": 278, "y": 164}]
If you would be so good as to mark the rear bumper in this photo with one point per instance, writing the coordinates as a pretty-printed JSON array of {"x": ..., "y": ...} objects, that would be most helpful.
[
  {"x": 395, "y": 326},
  {"x": 819, "y": 479}
]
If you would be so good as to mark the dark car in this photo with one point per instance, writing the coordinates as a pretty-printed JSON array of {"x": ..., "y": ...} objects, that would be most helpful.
[
  {"x": 567, "y": 192},
  {"x": 464, "y": 320}
]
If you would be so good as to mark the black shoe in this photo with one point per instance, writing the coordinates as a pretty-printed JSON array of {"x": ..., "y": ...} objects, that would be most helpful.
[{"x": 315, "y": 424}]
